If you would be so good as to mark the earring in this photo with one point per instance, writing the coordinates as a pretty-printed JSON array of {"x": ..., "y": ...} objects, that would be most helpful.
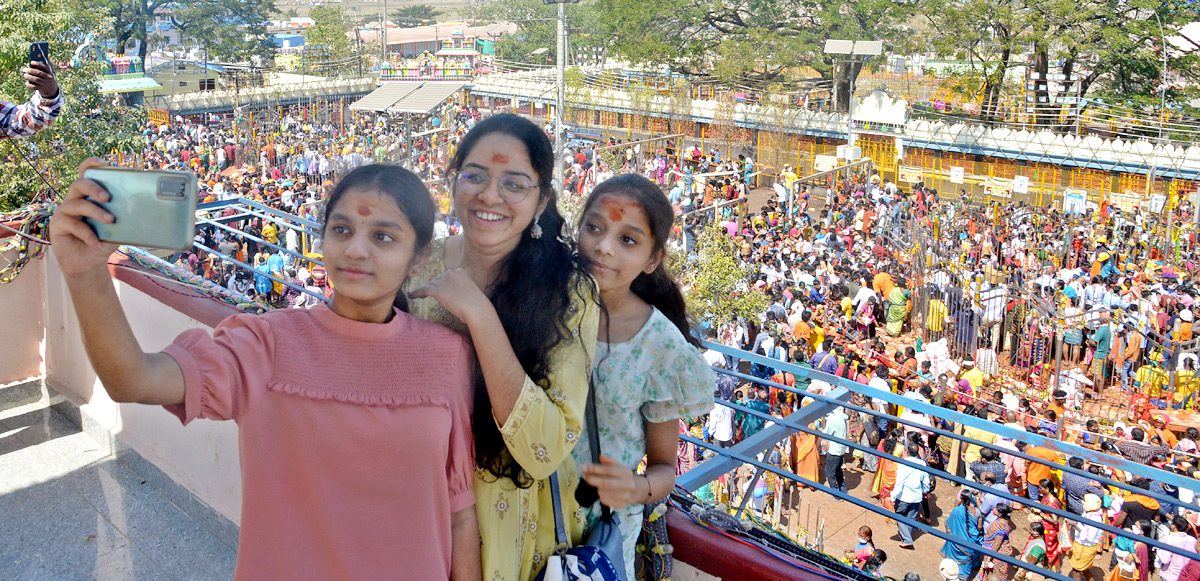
[{"x": 536, "y": 231}]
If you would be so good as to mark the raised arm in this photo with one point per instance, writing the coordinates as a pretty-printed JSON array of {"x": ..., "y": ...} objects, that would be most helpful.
[
  {"x": 127, "y": 373},
  {"x": 539, "y": 425},
  {"x": 40, "y": 111}
]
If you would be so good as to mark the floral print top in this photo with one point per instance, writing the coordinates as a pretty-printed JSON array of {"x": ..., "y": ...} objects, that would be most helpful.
[{"x": 654, "y": 377}]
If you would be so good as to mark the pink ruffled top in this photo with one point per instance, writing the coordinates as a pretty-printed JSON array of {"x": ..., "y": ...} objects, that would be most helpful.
[{"x": 355, "y": 439}]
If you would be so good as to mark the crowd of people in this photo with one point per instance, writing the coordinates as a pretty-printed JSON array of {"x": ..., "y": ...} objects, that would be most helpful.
[
  {"x": 290, "y": 165},
  {"x": 998, "y": 322},
  {"x": 1013, "y": 315}
]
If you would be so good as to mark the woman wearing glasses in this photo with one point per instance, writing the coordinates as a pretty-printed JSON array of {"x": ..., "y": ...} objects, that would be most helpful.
[{"x": 511, "y": 283}]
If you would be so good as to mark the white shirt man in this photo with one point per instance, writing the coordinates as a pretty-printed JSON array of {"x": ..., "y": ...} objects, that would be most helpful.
[
  {"x": 994, "y": 301},
  {"x": 882, "y": 385},
  {"x": 292, "y": 239},
  {"x": 864, "y": 294},
  {"x": 911, "y": 483},
  {"x": 714, "y": 357},
  {"x": 720, "y": 425}
]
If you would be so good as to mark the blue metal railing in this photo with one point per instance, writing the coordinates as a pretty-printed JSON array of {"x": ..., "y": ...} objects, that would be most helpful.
[
  {"x": 745, "y": 452},
  {"x": 931, "y": 410},
  {"x": 249, "y": 209}
]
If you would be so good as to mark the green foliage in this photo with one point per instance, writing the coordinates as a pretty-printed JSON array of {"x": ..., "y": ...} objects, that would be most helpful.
[
  {"x": 725, "y": 131},
  {"x": 642, "y": 98},
  {"x": 415, "y": 15},
  {"x": 233, "y": 31},
  {"x": 681, "y": 100},
  {"x": 229, "y": 31},
  {"x": 331, "y": 28},
  {"x": 128, "y": 21},
  {"x": 1113, "y": 47},
  {"x": 715, "y": 284},
  {"x": 576, "y": 88},
  {"x": 535, "y": 28},
  {"x": 612, "y": 158},
  {"x": 743, "y": 40},
  {"x": 88, "y": 126}
]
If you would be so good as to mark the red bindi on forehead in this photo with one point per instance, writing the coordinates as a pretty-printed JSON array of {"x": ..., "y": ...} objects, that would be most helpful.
[
  {"x": 364, "y": 210},
  {"x": 499, "y": 158},
  {"x": 617, "y": 206}
]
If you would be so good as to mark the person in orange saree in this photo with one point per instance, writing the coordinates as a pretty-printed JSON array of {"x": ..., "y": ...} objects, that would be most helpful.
[
  {"x": 805, "y": 455},
  {"x": 885, "y": 476}
]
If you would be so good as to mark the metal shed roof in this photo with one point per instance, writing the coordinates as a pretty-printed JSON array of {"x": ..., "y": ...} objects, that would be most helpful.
[
  {"x": 383, "y": 97},
  {"x": 426, "y": 98}
]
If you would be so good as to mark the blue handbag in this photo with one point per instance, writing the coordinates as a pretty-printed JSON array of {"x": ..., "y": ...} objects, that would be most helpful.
[{"x": 601, "y": 557}]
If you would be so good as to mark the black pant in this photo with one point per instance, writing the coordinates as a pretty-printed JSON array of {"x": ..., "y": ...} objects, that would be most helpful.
[{"x": 834, "y": 477}]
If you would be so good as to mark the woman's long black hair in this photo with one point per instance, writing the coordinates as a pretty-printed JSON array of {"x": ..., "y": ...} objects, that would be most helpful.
[
  {"x": 532, "y": 292},
  {"x": 657, "y": 288},
  {"x": 405, "y": 189}
]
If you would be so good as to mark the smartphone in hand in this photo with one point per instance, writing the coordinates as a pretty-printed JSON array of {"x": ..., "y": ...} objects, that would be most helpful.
[
  {"x": 154, "y": 209},
  {"x": 39, "y": 52}
]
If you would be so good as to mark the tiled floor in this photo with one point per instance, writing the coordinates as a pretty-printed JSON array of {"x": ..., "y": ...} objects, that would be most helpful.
[{"x": 71, "y": 511}]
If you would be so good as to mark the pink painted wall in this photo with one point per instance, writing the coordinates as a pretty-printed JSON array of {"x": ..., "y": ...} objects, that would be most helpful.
[
  {"x": 23, "y": 326},
  {"x": 202, "y": 456}
]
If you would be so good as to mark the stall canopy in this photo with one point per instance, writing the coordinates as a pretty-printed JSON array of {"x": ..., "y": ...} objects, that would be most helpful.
[
  {"x": 383, "y": 97},
  {"x": 426, "y": 98},
  {"x": 128, "y": 85},
  {"x": 407, "y": 97}
]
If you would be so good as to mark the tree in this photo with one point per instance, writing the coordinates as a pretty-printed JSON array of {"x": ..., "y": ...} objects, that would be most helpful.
[
  {"x": 1112, "y": 48},
  {"x": 642, "y": 102},
  {"x": 680, "y": 107},
  {"x": 743, "y": 41},
  {"x": 724, "y": 125},
  {"x": 988, "y": 45},
  {"x": 415, "y": 15},
  {"x": 535, "y": 27},
  {"x": 88, "y": 125},
  {"x": 715, "y": 284},
  {"x": 226, "y": 23},
  {"x": 1117, "y": 49},
  {"x": 777, "y": 145},
  {"x": 229, "y": 31},
  {"x": 129, "y": 22},
  {"x": 331, "y": 29}
]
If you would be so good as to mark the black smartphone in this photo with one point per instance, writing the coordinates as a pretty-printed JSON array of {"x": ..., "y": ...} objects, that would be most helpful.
[{"x": 40, "y": 52}]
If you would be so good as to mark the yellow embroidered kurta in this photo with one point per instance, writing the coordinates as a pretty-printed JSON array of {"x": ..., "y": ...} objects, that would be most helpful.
[{"x": 517, "y": 524}]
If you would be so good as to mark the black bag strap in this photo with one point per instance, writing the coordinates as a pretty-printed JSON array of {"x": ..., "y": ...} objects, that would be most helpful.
[
  {"x": 593, "y": 427},
  {"x": 562, "y": 543}
]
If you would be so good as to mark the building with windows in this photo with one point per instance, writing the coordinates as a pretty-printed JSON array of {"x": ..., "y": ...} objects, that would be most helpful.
[{"x": 412, "y": 42}]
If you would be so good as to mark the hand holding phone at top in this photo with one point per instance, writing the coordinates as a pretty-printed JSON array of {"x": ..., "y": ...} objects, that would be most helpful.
[
  {"x": 75, "y": 245},
  {"x": 39, "y": 78}
]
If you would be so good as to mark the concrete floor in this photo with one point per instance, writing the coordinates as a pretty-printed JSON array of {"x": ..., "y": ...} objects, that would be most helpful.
[
  {"x": 842, "y": 519},
  {"x": 71, "y": 511}
]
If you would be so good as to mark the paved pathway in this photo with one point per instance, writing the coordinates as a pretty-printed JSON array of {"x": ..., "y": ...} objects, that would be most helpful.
[{"x": 71, "y": 511}]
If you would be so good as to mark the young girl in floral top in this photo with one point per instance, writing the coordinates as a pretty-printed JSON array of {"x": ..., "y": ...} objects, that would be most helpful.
[{"x": 649, "y": 373}]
